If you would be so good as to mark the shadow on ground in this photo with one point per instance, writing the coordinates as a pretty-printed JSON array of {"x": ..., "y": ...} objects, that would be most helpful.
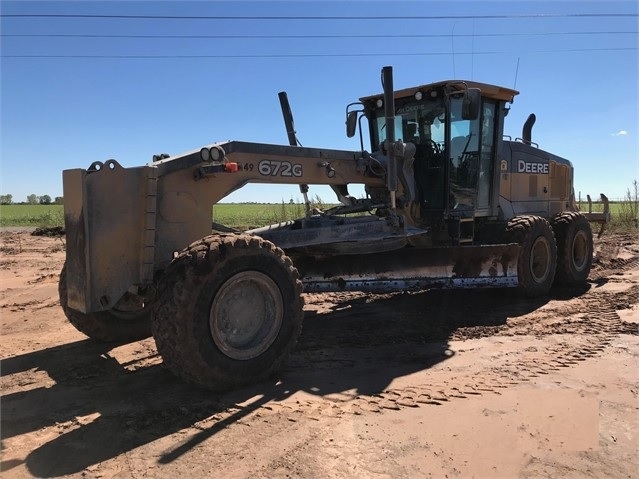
[{"x": 362, "y": 343}]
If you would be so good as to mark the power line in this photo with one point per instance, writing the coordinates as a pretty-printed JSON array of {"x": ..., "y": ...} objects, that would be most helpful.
[
  {"x": 331, "y": 17},
  {"x": 431, "y": 35},
  {"x": 315, "y": 55}
]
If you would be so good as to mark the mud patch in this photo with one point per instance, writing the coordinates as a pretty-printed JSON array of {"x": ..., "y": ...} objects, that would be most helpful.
[{"x": 49, "y": 231}]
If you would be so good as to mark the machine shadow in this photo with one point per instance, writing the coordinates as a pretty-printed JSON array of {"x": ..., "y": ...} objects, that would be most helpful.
[{"x": 361, "y": 344}]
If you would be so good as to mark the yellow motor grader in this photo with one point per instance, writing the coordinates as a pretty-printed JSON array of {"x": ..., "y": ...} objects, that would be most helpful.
[{"x": 450, "y": 203}]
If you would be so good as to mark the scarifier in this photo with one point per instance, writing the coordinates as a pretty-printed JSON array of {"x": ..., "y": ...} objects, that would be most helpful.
[{"x": 450, "y": 203}]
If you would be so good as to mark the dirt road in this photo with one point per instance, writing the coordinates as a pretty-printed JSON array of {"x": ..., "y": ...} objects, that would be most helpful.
[{"x": 432, "y": 384}]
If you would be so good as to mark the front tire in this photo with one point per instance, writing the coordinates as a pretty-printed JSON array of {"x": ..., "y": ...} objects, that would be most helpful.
[
  {"x": 114, "y": 325},
  {"x": 229, "y": 311},
  {"x": 574, "y": 248},
  {"x": 537, "y": 260}
]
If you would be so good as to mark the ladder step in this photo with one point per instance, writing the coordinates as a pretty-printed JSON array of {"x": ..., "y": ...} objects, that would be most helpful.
[{"x": 466, "y": 230}]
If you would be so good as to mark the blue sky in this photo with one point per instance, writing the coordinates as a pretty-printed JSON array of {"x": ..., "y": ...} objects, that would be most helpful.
[{"x": 127, "y": 88}]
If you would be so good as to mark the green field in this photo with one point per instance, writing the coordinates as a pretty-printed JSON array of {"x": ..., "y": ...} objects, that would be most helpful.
[
  {"x": 31, "y": 215},
  {"x": 246, "y": 216},
  {"x": 236, "y": 215},
  {"x": 240, "y": 216}
]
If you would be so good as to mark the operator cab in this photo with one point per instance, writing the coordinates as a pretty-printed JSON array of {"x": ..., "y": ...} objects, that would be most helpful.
[{"x": 453, "y": 169}]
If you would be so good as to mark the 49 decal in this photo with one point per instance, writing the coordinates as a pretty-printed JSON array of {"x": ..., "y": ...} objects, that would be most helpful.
[{"x": 279, "y": 168}]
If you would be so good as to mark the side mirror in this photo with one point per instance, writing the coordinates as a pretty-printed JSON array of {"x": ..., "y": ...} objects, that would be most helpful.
[
  {"x": 351, "y": 123},
  {"x": 471, "y": 104}
]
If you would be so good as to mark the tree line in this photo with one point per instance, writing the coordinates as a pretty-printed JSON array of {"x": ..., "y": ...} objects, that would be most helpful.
[{"x": 32, "y": 199}]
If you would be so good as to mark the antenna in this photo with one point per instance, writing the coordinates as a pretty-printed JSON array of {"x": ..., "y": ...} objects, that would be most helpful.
[{"x": 516, "y": 72}]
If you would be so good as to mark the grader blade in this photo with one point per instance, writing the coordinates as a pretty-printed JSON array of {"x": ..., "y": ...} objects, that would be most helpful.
[{"x": 413, "y": 269}]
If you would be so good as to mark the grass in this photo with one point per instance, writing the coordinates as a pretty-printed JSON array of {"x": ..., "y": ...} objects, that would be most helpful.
[
  {"x": 31, "y": 215},
  {"x": 615, "y": 208},
  {"x": 247, "y": 216}
]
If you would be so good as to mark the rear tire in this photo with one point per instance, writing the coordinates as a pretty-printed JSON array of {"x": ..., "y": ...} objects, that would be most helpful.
[
  {"x": 106, "y": 326},
  {"x": 229, "y": 310},
  {"x": 574, "y": 248},
  {"x": 537, "y": 260}
]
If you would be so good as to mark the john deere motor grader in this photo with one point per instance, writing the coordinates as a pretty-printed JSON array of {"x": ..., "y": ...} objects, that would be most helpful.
[{"x": 449, "y": 204}]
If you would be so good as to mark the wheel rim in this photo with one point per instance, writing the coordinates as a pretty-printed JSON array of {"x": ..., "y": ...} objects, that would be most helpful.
[
  {"x": 580, "y": 251},
  {"x": 540, "y": 259},
  {"x": 246, "y": 315}
]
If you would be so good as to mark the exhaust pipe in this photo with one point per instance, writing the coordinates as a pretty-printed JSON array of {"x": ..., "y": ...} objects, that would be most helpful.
[
  {"x": 526, "y": 132},
  {"x": 389, "y": 111}
]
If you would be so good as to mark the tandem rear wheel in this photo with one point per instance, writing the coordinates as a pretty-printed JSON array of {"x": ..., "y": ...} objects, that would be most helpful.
[
  {"x": 574, "y": 248},
  {"x": 229, "y": 310},
  {"x": 537, "y": 260}
]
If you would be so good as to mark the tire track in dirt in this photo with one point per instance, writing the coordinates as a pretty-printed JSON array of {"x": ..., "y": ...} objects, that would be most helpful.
[
  {"x": 562, "y": 318},
  {"x": 609, "y": 260},
  {"x": 620, "y": 266},
  {"x": 576, "y": 330},
  {"x": 587, "y": 337}
]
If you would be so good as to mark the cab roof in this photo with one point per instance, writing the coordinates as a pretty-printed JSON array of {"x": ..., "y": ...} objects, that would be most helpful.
[{"x": 489, "y": 91}]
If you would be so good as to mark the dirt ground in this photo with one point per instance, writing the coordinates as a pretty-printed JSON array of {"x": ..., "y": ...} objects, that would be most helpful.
[{"x": 431, "y": 384}]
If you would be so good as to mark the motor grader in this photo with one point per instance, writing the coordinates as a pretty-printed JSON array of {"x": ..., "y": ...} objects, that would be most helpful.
[{"x": 450, "y": 203}]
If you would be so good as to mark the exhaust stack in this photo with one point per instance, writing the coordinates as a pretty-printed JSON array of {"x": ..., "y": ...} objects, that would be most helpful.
[{"x": 526, "y": 132}]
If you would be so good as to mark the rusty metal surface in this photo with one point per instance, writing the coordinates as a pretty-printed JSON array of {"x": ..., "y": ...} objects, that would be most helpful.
[
  {"x": 381, "y": 285},
  {"x": 413, "y": 268},
  {"x": 78, "y": 288}
]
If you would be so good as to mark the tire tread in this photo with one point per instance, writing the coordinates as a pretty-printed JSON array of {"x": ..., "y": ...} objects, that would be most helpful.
[{"x": 174, "y": 333}]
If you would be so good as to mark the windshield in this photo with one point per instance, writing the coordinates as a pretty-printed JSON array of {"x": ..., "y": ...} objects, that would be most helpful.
[
  {"x": 415, "y": 121},
  {"x": 453, "y": 169}
]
